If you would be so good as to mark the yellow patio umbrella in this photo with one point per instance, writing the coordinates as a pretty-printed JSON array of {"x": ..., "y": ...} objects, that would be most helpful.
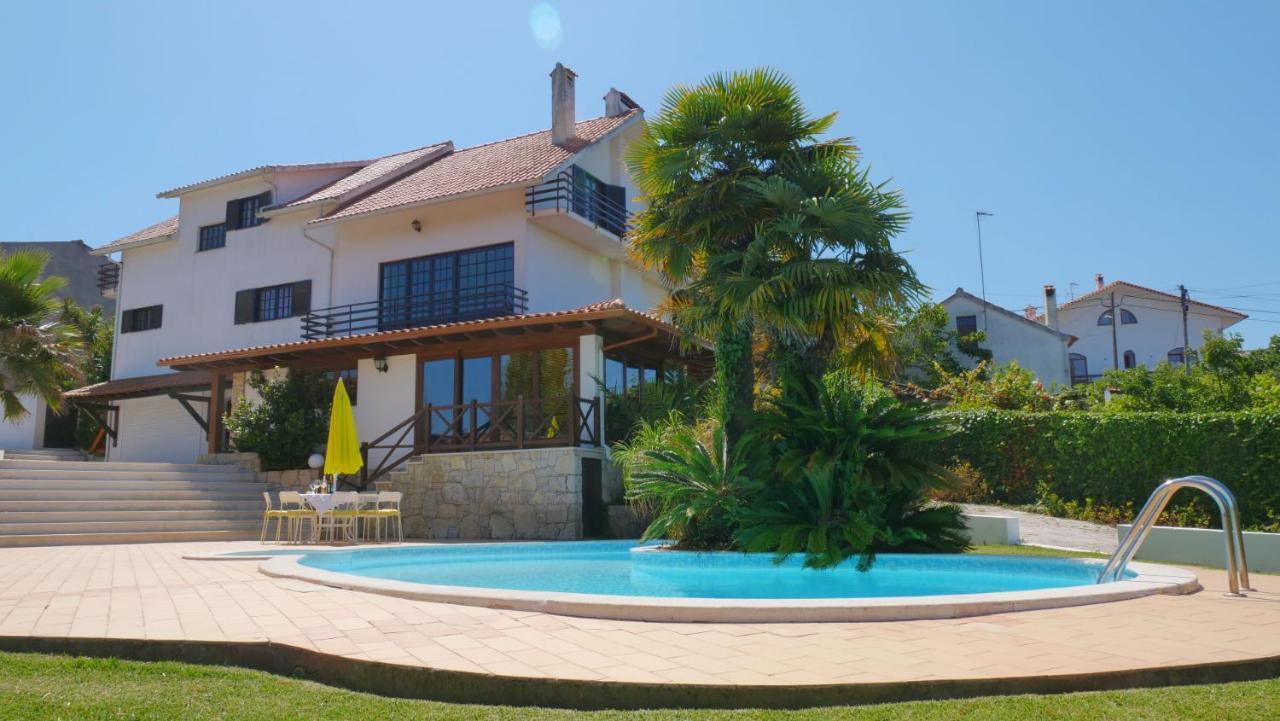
[{"x": 342, "y": 453}]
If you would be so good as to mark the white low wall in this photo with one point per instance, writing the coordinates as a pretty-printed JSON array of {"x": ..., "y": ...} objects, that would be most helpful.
[
  {"x": 1206, "y": 547},
  {"x": 993, "y": 530}
]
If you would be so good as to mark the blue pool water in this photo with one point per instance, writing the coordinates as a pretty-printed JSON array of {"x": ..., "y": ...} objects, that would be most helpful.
[{"x": 613, "y": 568}]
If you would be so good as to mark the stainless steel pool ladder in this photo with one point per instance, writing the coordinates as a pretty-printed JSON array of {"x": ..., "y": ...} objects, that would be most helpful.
[{"x": 1237, "y": 566}]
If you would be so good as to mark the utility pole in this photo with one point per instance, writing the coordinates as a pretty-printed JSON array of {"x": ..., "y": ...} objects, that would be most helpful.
[
  {"x": 1186, "y": 309},
  {"x": 982, "y": 270},
  {"x": 1115, "y": 321}
]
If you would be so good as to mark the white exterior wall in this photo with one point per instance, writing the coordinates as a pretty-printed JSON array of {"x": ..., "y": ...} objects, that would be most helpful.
[
  {"x": 157, "y": 429},
  {"x": 1010, "y": 339},
  {"x": 1158, "y": 330},
  {"x": 198, "y": 289},
  {"x": 385, "y": 399},
  {"x": 27, "y": 433}
]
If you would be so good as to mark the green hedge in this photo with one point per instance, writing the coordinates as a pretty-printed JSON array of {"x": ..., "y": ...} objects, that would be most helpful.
[{"x": 1121, "y": 457}]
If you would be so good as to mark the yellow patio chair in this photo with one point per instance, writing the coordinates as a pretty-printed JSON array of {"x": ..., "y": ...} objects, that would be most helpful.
[
  {"x": 389, "y": 510},
  {"x": 269, "y": 514},
  {"x": 298, "y": 513},
  {"x": 344, "y": 516}
]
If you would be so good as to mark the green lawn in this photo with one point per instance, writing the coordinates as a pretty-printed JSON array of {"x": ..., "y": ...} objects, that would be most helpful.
[{"x": 36, "y": 688}]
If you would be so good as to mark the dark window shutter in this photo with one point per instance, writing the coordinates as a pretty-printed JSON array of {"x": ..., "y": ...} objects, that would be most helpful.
[
  {"x": 126, "y": 321},
  {"x": 233, "y": 215},
  {"x": 246, "y": 300},
  {"x": 302, "y": 297},
  {"x": 157, "y": 314}
]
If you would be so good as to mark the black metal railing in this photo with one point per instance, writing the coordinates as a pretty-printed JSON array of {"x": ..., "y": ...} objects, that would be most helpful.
[
  {"x": 1078, "y": 380},
  {"x": 500, "y": 425},
  {"x": 108, "y": 277},
  {"x": 414, "y": 311},
  {"x": 568, "y": 192}
]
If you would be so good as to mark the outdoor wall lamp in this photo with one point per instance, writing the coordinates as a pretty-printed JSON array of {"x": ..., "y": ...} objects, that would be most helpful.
[
  {"x": 416, "y": 225},
  {"x": 380, "y": 365}
]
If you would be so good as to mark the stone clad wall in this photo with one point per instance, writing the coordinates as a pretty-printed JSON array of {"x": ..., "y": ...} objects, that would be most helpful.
[{"x": 522, "y": 494}]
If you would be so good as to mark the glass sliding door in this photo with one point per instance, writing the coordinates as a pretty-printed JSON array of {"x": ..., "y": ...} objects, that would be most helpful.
[
  {"x": 439, "y": 388},
  {"x": 448, "y": 287}
]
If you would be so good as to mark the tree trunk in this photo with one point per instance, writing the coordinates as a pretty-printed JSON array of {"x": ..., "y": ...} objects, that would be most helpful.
[{"x": 735, "y": 380}]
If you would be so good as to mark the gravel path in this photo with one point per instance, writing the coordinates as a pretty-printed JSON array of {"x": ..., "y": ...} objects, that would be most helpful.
[{"x": 1049, "y": 531}]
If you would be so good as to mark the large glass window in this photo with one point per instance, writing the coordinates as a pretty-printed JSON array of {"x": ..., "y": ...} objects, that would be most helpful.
[
  {"x": 468, "y": 284},
  {"x": 1079, "y": 368},
  {"x": 1126, "y": 317},
  {"x": 438, "y": 389}
]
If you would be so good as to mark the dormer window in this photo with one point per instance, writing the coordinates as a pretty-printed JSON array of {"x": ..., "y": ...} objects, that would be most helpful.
[
  {"x": 243, "y": 212},
  {"x": 1126, "y": 318}
]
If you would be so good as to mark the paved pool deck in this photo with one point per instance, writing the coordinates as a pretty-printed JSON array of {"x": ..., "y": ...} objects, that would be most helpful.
[{"x": 147, "y": 601}]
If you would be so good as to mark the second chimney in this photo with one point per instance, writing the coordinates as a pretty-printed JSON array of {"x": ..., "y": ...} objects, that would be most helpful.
[
  {"x": 563, "y": 117},
  {"x": 1098, "y": 279},
  {"x": 1051, "y": 307}
]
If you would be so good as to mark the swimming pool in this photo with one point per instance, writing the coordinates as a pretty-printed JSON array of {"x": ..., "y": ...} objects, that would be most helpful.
[
  {"x": 621, "y": 568},
  {"x": 622, "y": 580}
]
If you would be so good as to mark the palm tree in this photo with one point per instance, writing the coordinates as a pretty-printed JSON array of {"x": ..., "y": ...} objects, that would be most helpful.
[
  {"x": 39, "y": 353},
  {"x": 764, "y": 229}
]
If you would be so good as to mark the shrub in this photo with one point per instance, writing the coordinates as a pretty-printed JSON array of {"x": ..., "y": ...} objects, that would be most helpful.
[
  {"x": 288, "y": 424},
  {"x": 1117, "y": 459}
]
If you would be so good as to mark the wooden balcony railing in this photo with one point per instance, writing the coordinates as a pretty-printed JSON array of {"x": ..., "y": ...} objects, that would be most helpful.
[
  {"x": 500, "y": 425},
  {"x": 449, "y": 306}
]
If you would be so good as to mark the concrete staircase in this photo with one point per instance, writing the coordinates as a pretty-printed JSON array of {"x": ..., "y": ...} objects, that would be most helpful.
[
  {"x": 43, "y": 454},
  {"x": 62, "y": 502}
]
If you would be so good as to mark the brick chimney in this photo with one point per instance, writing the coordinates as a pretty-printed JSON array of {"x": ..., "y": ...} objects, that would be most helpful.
[
  {"x": 1051, "y": 307},
  {"x": 1098, "y": 279},
  {"x": 563, "y": 116}
]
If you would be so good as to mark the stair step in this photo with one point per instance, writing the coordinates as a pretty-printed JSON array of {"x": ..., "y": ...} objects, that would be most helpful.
[
  {"x": 28, "y": 456},
  {"x": 79, "y": 464},
  {"x": 162, "y": 526},
  {"x": 10, "y": 517},
  {"x": 143, "y": 503},
  {"x": 78, "y": 539},
  {"x": 61, "y": 474},
  {"x": 110, "y": 494},
  {"x": 112, "y": 484}
]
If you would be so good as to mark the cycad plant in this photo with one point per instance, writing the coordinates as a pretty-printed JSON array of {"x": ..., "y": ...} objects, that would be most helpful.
[
  {"x": 39, "y": 354},
  {"x": 690, "y": 482},
  {"x": 850, "y": 478}
]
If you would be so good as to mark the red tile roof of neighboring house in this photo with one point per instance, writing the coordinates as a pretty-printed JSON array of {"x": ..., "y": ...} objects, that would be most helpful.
[
  {"x": 163, "y": 229},
  {"x": 515, "y": 160},
  {"x": 370, "y": 174},
  {"x": 1118, "y": 283}
]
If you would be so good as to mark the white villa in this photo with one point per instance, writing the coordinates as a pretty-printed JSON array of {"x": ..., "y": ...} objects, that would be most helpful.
[
  {"x": 1077, "y": 341},
  {"x": 471, "y": 298}
]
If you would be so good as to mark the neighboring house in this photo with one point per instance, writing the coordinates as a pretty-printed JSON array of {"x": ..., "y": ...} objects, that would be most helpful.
[
  {"x": 1011, "y": 336},
  {"x": 1150, "y": 331},
  {"x": 85, "y": 275},
  {"x": 470, "y": 296}
]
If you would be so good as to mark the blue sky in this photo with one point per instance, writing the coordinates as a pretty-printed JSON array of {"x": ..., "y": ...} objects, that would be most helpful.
[{"x": 1136, "y": 139}]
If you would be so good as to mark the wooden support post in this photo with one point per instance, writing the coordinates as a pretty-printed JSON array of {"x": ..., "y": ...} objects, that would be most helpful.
[{"x": 217, "y": 389}]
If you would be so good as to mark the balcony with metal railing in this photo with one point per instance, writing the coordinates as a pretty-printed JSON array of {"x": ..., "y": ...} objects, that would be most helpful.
[
  {"x": 577, "y": 204},
  {"x": 415, "y": 311}
]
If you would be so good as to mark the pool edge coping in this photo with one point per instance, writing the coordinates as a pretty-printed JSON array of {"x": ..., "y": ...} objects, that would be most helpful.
[{"x": 1151, "y": 579}]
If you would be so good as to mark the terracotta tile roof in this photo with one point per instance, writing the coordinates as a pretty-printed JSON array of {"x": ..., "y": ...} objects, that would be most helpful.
[
  {"x": 515, "y": 160},
  {"x": 141, "y": 386},
  {"x": 369, "y": 174},
  {"x": 1119, "y": 283},
  {"x": 259, "y": 169},
  {"x": 595, "y": 311},
  {"x": 163, "y": 229}
]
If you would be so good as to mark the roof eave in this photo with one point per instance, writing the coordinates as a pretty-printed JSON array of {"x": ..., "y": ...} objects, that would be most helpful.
[
  {"x": 115, "y": 248},
  {"x": 257, "y": 172}
]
